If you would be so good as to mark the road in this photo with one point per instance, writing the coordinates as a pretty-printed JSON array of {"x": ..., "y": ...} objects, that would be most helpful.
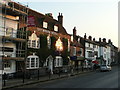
[{"x": 88, "y": 80}]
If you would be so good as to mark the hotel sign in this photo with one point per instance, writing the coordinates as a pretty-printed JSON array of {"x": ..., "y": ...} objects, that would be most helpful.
[
  {"x": 31, "y": 21},
  {"x": 47, "y": 31}
]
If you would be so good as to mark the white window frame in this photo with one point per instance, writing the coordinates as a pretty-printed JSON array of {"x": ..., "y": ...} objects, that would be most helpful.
[
  {"x": 33, "y": 42},
  {"x": 45, "y": 25},
  {"x": 58, "y": 62},
  {"x": 32, "y": 64},
  {"x": 68, "y": 45},
  {"x": 74, "y": 51},
  {"x": 55, "y": 28},
  {"x": 71, "y": 38}
]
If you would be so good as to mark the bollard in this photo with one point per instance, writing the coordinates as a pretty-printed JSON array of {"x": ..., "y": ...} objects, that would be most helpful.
[
  {"x": 23, "y": 77},
  {"x": 38, "y": 74},
  {"x": 49, "y": 73},
  {"x": 82, "y": 69},
  {"x": 4, "y": 78},
  {"x": 59, "y": 72}
]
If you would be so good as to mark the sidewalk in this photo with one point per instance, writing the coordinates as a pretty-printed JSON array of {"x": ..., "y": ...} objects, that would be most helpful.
[{"x": 12, "y": 83}]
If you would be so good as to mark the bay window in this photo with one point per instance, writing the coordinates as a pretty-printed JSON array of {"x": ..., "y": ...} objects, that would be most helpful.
[{"x": 33, "y": 41}]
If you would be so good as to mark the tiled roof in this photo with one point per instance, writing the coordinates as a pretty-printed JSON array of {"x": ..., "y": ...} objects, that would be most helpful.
[{"x": 39, "y": 18}]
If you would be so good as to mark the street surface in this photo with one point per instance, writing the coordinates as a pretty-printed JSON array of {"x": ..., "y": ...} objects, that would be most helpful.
[{"x": 95, "y": 79}]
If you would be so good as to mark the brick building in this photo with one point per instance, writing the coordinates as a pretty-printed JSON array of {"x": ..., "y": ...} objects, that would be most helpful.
[
  {"x": 76, "y": 50},
  {"x": 43, "y": 33}
]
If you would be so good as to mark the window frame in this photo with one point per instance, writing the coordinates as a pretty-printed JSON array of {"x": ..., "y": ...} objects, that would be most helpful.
[
  {"x": 32, "y": 63},
  {"x": 56, "y": 28},
  {"x": 45, "y": 24}
]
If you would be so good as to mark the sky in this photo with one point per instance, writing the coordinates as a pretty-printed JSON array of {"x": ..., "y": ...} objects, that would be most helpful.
[{"x": 98, "y": 18}]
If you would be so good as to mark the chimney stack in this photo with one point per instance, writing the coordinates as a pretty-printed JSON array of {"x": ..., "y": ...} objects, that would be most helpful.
[
  {"x": 85, "y": 36},
  {"x": 93, "y": 39},
  {"x": 104, "y": 40},
  {"x": 99, "y": 39},
  {"x": 74, "y": 33},
  {"x": 60, "y": 18},
  {"x": 90, "y": 38},
  {"x": 109, "y": 41}
]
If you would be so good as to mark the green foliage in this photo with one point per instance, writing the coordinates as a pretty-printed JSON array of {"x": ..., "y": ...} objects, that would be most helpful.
[
  {"x": 53, "y": 41},
  {"x": 30, "y": 51},
  {"x": 43, "y": 41},
  {"x": 28, "y": 34},
  {"x": 65, "y": 52},
  {"x": 53, "y": 48},
  {"x": 43, "y": 51}
]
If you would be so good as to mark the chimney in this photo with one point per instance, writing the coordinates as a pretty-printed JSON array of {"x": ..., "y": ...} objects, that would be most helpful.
[
  {"x": 74, "y": 33},
  {"x": 85, "y": 36},
  {"x": 94, "y": 39},
  {"x": 90, "y": 38},
  {"x": 60, "y": 19},
  {"x": 99, "y": 39},
  {"x": 109, "y": 41},
  {"x": 104, "y": 40}
]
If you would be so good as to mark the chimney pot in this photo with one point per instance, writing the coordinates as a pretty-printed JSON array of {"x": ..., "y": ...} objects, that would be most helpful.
[
  {"x": 104, "y": 40},
  {"x": 99, "y": 39},
  {"x": 60, "y": 19},
  {"x": 93, "y": 39},
  {"x": 90, "y": 38},
  {"x": 85, "y": 36}
]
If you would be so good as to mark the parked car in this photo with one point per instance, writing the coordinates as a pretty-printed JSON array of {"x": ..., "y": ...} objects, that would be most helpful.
[{"x": 105, "y": 68}]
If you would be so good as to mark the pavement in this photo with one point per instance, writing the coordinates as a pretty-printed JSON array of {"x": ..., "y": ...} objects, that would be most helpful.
[{"x": 13, "y": 83}]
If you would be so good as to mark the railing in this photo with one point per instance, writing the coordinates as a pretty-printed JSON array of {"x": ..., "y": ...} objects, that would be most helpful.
[
  {"x": 10, "y": 32},
  {"x": 18, "y": 6}
]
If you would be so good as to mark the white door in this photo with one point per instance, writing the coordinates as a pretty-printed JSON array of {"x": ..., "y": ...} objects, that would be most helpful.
[{"x": 50, "y": 65}]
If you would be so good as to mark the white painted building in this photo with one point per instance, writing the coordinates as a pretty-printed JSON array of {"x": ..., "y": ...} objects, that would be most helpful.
[
  {"x": 105, "y": 52},
  {"x": 91, "y": 51}
]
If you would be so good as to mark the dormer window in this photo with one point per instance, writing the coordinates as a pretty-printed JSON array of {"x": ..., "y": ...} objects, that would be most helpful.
[
  {"x": 68, "y": 45},
  {"x": 33, "y": 41},
  {"x": 45, "y": 24},
  {"x": 56, "y": 28},
  {"x": 71, "y": 38}
]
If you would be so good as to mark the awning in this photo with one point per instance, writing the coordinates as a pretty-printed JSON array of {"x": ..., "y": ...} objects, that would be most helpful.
[
  {"x": 77, "y": 58},
  {"x": 96, "y": 62},
  {"x": 73, "y": 58}
]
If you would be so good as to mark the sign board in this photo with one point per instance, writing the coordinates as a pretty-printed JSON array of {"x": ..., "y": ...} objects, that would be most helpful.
[
  {"x": 31, "y": 21},
  {"x": 73, "y": 58}
]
